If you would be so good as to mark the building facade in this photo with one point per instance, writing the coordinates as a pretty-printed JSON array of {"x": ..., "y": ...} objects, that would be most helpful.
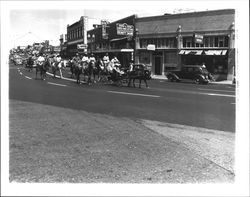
[
  {"x": 116, "y": 39},
  {"x": 77, "y": 36},
  {"x": 172, "y": 40}
]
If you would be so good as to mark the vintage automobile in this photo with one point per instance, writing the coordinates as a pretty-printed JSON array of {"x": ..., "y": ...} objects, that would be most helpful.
[{"x": 196, "y": 73}]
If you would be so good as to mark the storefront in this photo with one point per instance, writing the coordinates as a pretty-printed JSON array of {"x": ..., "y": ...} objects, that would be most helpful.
[
  {"x": 170, "y": 41},
  {"x": 116, "y": 39},
  {"x": 216, "y": 61}
]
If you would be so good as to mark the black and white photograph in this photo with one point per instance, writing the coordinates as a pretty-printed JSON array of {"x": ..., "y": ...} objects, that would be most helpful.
[{"x": 125, "y": 98}]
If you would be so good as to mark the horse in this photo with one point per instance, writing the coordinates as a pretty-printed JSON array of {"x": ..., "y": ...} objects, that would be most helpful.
[
  {"x": 140, "y": 74},
  {"x": 57, "y": 66},
  {"x": 72, "y": 68},
  {"x": 77, "y": 68},
  {"x": 29, "y": 64},
  {"x": 43, "y": 67},
  {"x": 98, "y": 70},
  {"x": 89, "y": 70}
]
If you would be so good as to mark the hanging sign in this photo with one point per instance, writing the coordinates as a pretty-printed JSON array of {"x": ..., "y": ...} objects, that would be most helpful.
[
  {"x": 82, "y": 46},
  {"x": 198, "y": 38},
  {"x": 124, "y": 29},
  {"x": 104, "y": 29},
  {"x": 151, "y": 47}
]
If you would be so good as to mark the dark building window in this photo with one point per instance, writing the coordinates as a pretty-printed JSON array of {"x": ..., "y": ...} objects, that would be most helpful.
[
  {"x": 221, "y": 41},
  {"x": 226, "y": 41},
  {"x": 211, "y": 42},
  {"x": 216, "y": 42}
]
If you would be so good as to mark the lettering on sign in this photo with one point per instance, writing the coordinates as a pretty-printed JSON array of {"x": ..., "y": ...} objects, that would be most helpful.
[
  {"x": 151, "y": 47},
  {"x": 104, "y": 29},
  {"x": 124, "y": 29},
  {"x": 82, "y": 46},
  {"x": 198, "y": 38}
]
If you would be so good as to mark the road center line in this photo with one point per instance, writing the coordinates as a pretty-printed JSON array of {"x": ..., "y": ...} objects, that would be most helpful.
[
  {"x": 135, "y": 94},
  {"x": 215, "y": 90},
  {"x": 210, "y": 94},
  {"x": 28, "y": 77},
  {"x": 57, "y": 84}
]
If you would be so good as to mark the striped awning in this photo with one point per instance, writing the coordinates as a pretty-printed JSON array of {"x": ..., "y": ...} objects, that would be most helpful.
[
  {"x": 213, "y": 52},
  {"x": 190, "y": 52}
]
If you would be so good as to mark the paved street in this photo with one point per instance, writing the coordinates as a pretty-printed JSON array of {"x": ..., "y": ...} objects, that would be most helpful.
[
  {"x": 170, "y": 133},
  {"x": 208, "y": 106}
]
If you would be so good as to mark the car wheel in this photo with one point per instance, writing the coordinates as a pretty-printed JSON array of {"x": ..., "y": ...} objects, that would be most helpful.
[{"x": 197, "y": 81}]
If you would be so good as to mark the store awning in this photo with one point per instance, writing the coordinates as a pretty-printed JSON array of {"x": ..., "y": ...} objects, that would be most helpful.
[
  {"x": 114, "y": 51},
  {"x": 224, "y": 52},
  {"x": 214, "y": 52},
  {"x": 118, "y": 39},
  {"x": 190, "y": 52}
]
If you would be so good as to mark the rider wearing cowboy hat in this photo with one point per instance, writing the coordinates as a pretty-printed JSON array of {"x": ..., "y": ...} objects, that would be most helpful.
[{"x": 92, "y": 58}]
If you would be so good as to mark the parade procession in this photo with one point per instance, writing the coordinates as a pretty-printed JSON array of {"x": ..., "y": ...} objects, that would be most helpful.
[{"x": 85, "y": 68}]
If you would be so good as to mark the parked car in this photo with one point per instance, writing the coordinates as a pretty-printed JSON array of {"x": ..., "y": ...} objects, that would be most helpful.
[{"x": 196, "y": 73}]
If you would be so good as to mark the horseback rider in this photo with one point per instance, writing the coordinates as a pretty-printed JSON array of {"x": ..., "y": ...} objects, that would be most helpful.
[
  {"x": 106, "y": 59},
  {"x": 30, "y": 62},
  {"x": 131, "y": 66},
  {"x": 85, "y": 58},
  {"x": 116, "y": 65},
  {"x": 41, "y": 59},
  {"x": 92, "y": 58}
]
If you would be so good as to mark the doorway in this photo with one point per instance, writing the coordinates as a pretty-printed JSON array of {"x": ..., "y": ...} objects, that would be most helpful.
[{"x": 158, "y": 64}]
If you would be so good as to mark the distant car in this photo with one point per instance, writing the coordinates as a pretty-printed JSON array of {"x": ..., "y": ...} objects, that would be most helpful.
[{"x": 196, "y": 73}]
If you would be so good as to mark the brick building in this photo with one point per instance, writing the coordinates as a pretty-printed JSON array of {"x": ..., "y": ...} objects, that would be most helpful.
[
  {"x": 172, "y": 40},
  {"x": 76, "y": 36},
  {"x": 116, "y": 38}
]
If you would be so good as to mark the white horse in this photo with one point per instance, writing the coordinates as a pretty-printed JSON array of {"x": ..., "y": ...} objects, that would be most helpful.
[{"x": 57, "y": 66}]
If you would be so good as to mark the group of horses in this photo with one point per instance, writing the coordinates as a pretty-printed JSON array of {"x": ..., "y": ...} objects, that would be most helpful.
[
  {"x": 105, "y": 73},
  {"x": 43, "y": 67},
  {"x": 108, "y": 73}
]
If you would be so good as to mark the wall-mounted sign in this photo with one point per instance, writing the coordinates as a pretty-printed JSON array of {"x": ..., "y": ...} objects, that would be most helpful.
[
  {"x": 57, "y": 49},
  {"x": 124, "y": 29},
  {"x": 151, "y": 47},
  {"x": 104, "y": 29},
  {"x": 198, "y": 38},
  {"x": 82, "y": 46}
]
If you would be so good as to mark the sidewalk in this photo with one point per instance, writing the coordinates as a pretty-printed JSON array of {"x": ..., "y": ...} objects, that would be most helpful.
[
  {"x": 99, "y": 148},
  {"x": 226, "y": 82}
]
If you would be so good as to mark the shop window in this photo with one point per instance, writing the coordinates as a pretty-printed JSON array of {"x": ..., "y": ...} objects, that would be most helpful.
[
  {"x": 221, "y": 41},
  {"x": 171, "y": 43},
  {"x": 206, "y": 41},
  {"x": 170, "y": 58},
  {"x": 187, "y": 42},
  {"x": 216, "y": 42},
  {"x": 144, "y": 57},
  {"x": 211, "y": 42},
  {"x": 226, "y": 41},
  {"x": 167, "y": 43}
]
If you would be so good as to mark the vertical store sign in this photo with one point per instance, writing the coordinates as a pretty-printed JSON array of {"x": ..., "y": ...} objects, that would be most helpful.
[
  {"x": 84, "y": 28},
  {"x": 104, "y": 29}
]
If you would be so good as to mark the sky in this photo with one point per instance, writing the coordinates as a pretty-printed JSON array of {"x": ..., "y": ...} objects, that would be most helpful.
[{"x": 39, "y": 21}]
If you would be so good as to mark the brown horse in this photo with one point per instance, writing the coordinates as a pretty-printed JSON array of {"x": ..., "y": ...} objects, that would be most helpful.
[{"x": 139, "y": 73}]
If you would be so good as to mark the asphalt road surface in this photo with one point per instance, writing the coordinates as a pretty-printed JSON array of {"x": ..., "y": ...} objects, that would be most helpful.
[{"x": 207, "y": 106}]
